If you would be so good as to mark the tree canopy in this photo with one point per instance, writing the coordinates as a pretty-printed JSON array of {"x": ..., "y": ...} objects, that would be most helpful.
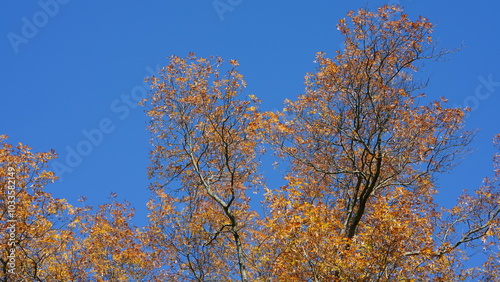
[{"x": 362, "y": 147}]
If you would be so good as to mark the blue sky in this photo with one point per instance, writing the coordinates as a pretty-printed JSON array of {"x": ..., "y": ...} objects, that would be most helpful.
[{"x": 71, "y": 72}]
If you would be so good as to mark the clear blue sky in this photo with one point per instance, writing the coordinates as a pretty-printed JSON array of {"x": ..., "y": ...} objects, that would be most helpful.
[{"x": 70, "y": 68}]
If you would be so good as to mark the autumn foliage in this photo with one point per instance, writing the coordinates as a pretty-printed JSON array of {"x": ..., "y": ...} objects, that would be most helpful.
[
  {"x": 362, "y": 148},
  {"x": 205, "y": 145},
  {"x": 47, "y": 239}
]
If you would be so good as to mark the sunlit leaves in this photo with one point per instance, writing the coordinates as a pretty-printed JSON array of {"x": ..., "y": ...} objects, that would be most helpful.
[
  {"x": 361, "y": 148},
  {"x": 54, "y": 241},
  {"x": 206, "y": 144},
  {"x": 35, "y": 216},
  {"x": 364, "y": 149}
]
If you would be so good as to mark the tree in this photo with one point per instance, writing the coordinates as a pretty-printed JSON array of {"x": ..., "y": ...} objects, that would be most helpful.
[
  {"x": 109, "y": 247},
  {"x": 33, "y": 222},
  {"x": 479, "y": 213},
  {"x": 204, "y": 160},
  {"x": 363, "y": 148},
  {"x": 47, "y": 239}
]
